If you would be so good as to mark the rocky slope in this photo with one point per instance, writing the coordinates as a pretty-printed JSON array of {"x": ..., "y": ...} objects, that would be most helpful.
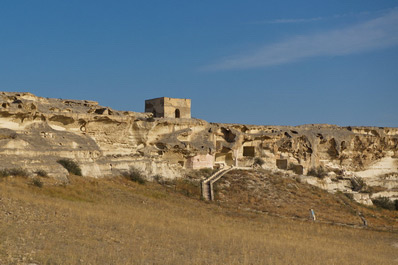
[{"x": 35, "y": 132}]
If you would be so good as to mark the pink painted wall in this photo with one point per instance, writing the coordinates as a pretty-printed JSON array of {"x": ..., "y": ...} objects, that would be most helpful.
[{"x": 200, "y": 161}]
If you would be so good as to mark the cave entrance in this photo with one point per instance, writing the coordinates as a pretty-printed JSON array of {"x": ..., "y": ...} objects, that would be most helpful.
[
  {"x": 281, "y": 164},
  {"x": 177, "y": 113},
  {"x": 248, "y": 151}
]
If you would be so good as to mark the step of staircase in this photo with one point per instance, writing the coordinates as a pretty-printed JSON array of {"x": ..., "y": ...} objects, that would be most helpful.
[{"x": 207, "y": 184}]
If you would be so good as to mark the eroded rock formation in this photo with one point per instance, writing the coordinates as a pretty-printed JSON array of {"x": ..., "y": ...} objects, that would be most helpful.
[{"x": 35, "y": 132}]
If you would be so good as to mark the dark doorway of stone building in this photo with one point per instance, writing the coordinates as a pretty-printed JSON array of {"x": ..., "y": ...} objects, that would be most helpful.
[{"x": 177, "y": 113}]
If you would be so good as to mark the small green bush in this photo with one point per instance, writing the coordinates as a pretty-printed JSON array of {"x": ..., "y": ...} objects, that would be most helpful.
[
  {"x": 187, "y": 187},
  {"x": 385, "y": 203},
  {"x": 41, "y": 173},
  {"x": 206, "y": 171},
  {"x": 3, "y": 173},
  {"x": 200, "y": 173},
  {"x": 37, "y": 182},
  {"x": 135, "y": 175},
  {"x": 318, "y": 172},
  {"x": 159, "y": 179},
  {"x": 13, "y": 172},
  {"x": 259, "y": 161},
  {"x": 71, "y": 166}
]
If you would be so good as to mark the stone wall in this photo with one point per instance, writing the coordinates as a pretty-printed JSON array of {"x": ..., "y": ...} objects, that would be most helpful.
[
  {"x": 200, "y": 161},
  {"x": 169, "y": 107}
]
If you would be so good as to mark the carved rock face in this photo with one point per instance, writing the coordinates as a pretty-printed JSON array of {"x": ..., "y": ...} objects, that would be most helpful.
[{"x": 35, "y": 132}]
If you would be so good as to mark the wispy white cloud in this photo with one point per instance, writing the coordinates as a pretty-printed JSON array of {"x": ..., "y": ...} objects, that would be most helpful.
[
  {"x": 289, "y": 20},
  {"x": 314, "y": 19},
  {"x": 374, "y": 34}
]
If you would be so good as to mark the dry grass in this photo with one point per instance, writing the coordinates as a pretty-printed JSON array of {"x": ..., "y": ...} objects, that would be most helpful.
[
  {"x": 121, "y": 222},
  {"x": 282, "y": 195}
]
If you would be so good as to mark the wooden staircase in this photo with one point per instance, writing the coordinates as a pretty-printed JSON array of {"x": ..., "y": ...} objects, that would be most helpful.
[{"x": 207, "y": 184}]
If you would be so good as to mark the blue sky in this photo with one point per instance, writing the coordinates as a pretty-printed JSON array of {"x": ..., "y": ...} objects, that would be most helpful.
[{"x": 252, "y": 62}]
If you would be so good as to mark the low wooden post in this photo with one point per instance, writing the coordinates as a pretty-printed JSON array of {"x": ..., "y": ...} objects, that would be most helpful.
[
  {"x": 211, "y": 191},
  {"x": 364, "y": 222}
]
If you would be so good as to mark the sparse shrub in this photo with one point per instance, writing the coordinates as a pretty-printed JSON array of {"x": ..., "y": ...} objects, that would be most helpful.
[
  {"x": 318, "y": 172},
  {"x": 165, "y": 182},
  {"x": 16, "y": 172},
  {"x": 159, "y": 179},
  {"x": 259, "y": 161},
  {"x": 3, "y": 173},
  {"x": 357, "y": 184},
  {"x": 349, "y": 195},
  {"x": 135, "y": 175},
  {"x": 188, "y": 187},
  {"x": 385, "y": 203},
  {"x": 206, "y": 171},
  {"x": 339, "y": 172},
  {"x": 19, "y": 172},
  {"x": 71, "y": 166},
  {"x": 37, "y": 182},
  {"x": 290, "y": 166},
  {"x": 41, "y": 173},
  {"x": 201, "y": 173}
]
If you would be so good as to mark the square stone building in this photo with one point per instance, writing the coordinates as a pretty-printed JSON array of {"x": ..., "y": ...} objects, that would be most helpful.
[{"x": 169, "y": 107}]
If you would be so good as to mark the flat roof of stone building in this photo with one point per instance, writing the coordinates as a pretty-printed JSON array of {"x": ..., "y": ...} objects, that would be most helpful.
[{"x": 166, "y": 97}]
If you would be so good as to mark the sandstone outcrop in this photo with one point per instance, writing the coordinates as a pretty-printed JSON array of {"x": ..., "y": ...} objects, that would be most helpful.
[{"x": 35, "y": 132}]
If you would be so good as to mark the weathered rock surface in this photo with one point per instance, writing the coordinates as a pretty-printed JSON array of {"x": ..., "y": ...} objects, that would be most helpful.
[{"x": 35, "y": 132}]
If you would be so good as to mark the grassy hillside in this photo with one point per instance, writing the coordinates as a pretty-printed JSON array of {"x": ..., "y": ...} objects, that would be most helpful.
[
  {"x": 121, "y": 222},
  {"x": 283, "y": 195}
]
